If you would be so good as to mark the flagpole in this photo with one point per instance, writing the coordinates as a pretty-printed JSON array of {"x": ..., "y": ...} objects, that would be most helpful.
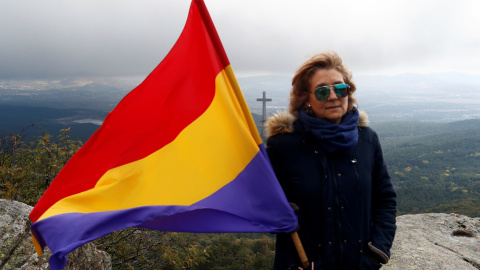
[{"x": 300, "y": 250}]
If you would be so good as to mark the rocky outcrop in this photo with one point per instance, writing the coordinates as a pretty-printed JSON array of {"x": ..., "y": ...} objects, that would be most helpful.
[
  {"x": 423, "y": 241},
  {"x": 16, "y": 247},
  {"x": 436, "y": 241}
]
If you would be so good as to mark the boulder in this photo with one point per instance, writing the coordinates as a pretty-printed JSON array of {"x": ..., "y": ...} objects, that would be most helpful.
[
  {"x": 422, "y": 241},
  {"x": 436, "y": 241},
  {"x": 17, "y": 250}
]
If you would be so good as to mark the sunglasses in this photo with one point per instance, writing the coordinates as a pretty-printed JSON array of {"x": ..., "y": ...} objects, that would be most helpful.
[{"x": 323, "y": 92}]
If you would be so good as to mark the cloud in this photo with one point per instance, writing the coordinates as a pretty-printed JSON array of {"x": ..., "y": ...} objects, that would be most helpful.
[{"x": 54, "y": 38}]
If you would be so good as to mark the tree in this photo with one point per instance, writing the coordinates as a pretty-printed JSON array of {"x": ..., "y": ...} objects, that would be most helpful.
[
  {"x": 136, "y": 248},
  {"x": 28, "y": 168}
]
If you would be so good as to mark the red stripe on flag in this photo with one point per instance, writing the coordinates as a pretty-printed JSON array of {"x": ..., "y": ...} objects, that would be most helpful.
[
  {"x": 212, "y": 31},
  {"x": 176, "y": 93}
]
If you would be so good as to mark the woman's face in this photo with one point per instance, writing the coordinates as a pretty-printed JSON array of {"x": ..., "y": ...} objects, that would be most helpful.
[{"x": 333, "y": 108}]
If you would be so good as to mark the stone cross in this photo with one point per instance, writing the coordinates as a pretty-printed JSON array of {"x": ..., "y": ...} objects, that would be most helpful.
[{"x": 264, "y": 100}]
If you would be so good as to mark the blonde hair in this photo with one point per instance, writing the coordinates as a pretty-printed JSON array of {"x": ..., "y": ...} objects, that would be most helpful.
[{"x": 302, "y": 79}]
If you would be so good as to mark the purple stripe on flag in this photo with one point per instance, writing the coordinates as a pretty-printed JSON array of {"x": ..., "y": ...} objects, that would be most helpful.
[{"x": 239, "y": 206}]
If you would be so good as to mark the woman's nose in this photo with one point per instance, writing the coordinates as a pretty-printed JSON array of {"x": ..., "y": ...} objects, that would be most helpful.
[{"x": 332, "y": 95}]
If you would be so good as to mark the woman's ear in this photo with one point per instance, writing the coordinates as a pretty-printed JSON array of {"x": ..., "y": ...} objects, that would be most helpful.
[{"x": 309, "y": 109}]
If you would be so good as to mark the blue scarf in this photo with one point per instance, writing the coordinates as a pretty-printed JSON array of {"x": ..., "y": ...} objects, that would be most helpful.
[{"x": 333, "y": 137}]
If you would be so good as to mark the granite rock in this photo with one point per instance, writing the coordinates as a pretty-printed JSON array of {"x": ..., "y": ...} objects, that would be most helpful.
[
  {"x": 17, "y": 250},
  {"x": 436, "y": 241}
]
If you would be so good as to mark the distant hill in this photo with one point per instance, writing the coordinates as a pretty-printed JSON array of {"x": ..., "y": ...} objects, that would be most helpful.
[
  {"x": 434, "y": 158},
  {"x": 32, "y": 121},
  {"x": 404, "y": 97},
  {"x": 446, "y": 97},
  {"x": 434, "y": 167},
  {"x": 89, "y": 96}
]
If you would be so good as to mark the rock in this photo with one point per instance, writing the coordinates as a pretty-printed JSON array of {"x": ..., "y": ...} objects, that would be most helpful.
[
  {"x": 422, "y": 241},
  {"x": 436, "y": 241},
  {"x": 17, "y": 250}
]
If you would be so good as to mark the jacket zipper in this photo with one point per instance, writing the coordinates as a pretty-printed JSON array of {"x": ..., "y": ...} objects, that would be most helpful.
[
  {"x": 337, "y": 211},
  {"x": 359, "y": 190}
]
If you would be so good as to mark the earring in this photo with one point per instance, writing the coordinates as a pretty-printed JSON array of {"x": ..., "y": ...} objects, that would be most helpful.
[{"x": 309, "y": 109}]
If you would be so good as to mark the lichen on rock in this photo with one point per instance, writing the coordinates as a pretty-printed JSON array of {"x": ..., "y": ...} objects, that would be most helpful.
[
  {"x": 17, "y": 250},
  {"x": 436, "y": 241}
]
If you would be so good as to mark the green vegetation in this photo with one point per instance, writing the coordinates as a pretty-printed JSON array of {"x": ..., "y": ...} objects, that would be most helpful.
[
  {"x": 434, "y": 167},
  {"x": 146, "y": 249},
  {"x": 28, "y": 168}
]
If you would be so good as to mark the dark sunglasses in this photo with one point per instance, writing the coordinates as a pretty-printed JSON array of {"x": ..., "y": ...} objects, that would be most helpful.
[{"x": 323, "y": 92}]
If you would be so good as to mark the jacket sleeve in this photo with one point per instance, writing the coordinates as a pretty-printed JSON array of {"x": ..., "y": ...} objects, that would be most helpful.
[{"x": 384, "y": 207}]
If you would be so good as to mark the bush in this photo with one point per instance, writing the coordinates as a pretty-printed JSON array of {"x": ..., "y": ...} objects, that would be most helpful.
[{"x": 28, "y": 168}]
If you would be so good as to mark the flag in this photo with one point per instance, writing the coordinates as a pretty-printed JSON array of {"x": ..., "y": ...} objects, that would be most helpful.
[{"x": 179, "y": 153}]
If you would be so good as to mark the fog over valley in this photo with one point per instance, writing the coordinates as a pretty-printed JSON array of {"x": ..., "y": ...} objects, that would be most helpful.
[
  {"x": 407, "y": 97},
  {"x": 442, "y": 97}
]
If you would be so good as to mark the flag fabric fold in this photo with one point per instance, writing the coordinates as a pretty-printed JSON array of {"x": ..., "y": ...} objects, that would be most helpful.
[{"x": 179, "y": 153}]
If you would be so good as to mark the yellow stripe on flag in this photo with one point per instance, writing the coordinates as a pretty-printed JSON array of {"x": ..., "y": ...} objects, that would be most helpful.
[
  {"x": 37, "y": 246},
  {"x": 205, "y": 156},
  {"x": 243, "y": 104}
]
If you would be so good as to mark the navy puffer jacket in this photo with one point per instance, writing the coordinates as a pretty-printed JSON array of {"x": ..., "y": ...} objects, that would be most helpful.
[{"x": 346, "y": 201}]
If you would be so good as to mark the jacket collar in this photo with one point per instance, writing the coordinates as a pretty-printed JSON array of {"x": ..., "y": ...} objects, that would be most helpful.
[{"x": 282, "y": 122}]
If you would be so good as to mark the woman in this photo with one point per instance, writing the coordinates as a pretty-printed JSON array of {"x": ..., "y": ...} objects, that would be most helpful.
[{"x": 330, "y": 165}]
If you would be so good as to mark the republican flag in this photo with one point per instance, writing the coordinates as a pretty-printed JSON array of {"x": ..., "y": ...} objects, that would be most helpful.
[{"x": 179, "y": 153}]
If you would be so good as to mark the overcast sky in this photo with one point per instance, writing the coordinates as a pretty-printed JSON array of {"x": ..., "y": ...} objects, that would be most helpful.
[{"x": 78, "y": 38}]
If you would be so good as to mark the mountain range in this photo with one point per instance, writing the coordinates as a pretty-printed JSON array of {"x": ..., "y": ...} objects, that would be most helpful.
[{"x": 429, "y": 125}]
